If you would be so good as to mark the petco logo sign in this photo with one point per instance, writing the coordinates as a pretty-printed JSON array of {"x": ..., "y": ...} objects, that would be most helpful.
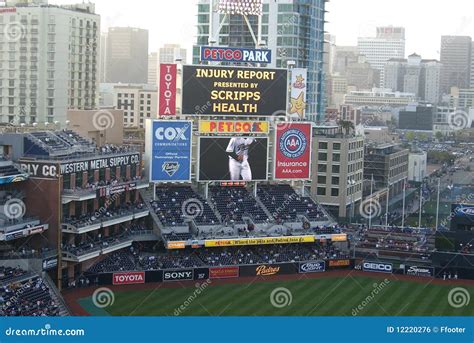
[
  {"x": 178, "y": 275},
  {"x": 171, "y": 134},
  {"x": 377, "y": 267},
  {"x": 131, "y": 278},
  {"x": 313, "y": 267},
  {"x": 219, "y": 54}
]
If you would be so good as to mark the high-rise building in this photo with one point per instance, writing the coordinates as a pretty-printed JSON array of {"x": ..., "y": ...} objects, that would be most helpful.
[
  {"x": 168, "y": 53},
  {"x": 292, "y": 29},
  {"x": 389, "y": 43},
  {"x": 103, "y": 57},
  {"x": 456, "y": 59},
  {"x": 153, "y": 68},
  {"x": 50, "y": 61},
  {"x": 472, "y": 67},
  {"x": 126, "y": 55},
  {"x": 414, "y": 75}
]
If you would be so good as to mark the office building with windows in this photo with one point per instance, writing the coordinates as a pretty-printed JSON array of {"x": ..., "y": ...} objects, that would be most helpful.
[{"x": 49, "y": 61}]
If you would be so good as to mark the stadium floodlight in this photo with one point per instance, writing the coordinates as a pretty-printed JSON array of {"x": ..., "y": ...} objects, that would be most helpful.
[{"x": 241, "y": 7}]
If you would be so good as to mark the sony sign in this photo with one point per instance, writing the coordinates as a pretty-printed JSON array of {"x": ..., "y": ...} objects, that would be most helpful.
[{"x": 178, "y": 275}]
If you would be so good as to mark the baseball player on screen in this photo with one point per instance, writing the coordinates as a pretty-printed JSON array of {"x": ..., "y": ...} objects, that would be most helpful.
[{"x": 238, "y": 151}]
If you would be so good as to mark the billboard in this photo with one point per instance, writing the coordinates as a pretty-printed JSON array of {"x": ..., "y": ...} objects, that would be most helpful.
[
  {"x": 258, "y": 241},
  {"x": 232, "y": 126},
  {"x": 178, "y": 275},
  {"x": 312, "y": 267},
  {"x": 233, "y": 159},
  {"x": 293, "y": 151},
  {"x": 217, "y": 90},
  {"x": 379, "y": 267},
  {"x": 130, "y": 278},
  {"x": 171, "y": 151},
  {"x": 298, "y": 90},
  {"x": 167, "y": 105},
  {"x": 235, "y": 55},
  {"x": 224, "y": 272},
  {"x": 269, "y": 269},
  {"x": 422, "y": 271}
]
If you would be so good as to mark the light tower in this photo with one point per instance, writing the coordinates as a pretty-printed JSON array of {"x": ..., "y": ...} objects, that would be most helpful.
[{"x": 245, "y": 8}]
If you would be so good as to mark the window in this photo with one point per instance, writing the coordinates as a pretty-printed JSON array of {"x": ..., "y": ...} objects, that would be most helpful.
[
  {"x": 336, "y": 157},
  {"x": 335, "y": 180},
  {"x": 323, "y": 145},
  {"x": 334, "y": 192},
  {"x": 321, "y": 191},
  {"x": 322, "y": 156},
  {"x": 336, "y": 147},
  {"x": 322, "y": 168},
  {"x": 336, "y": 169},
  {"x": 321, "y": 179}
]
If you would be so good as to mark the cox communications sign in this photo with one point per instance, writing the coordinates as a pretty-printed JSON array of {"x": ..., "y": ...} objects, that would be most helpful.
[{"x": 171, "y": 151}]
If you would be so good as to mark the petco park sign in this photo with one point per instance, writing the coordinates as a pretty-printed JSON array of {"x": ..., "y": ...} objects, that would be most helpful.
[
  {"x": 131, "y": 278},
  {"x": 221, "y": 54}
]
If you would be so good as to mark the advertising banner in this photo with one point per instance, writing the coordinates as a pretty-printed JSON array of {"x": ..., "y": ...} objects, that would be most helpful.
[
  {"x": 299, "y": 84},
  {"x": 379, "y": 267},
  {"x": 218, "y": 90},
  {"x": 233, "y": 159},
  {"x": 312, "y": 267},
  {"x": 258, "y": 241},
  {"x": 269, "y": 269},
  {"x": 237, "y": 127},
  {"x": 293, "y": 151},
  {"x": 171, "y": 151},
  {"x": 421, "y": 271},
  {"x": 239, "y": 55},
  {"x": 130, "y": 278},
  {"x": 201, "y": 274},
  {"x": 178, "y": 275},
  {"x": 167, "y": 104},
  {"x": 224, "y": 272},
  {"x": 337, "y": 264},
  {"x": 176, "y": 245}
]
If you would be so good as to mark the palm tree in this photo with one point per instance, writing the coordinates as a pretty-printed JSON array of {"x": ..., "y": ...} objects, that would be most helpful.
[{"x": 346, "y": 126}]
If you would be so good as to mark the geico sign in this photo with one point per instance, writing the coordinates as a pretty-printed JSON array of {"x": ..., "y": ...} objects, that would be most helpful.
[
  {"x": 128, "y": 278},
  {"x": 171, "y": 134},
  {"x": 377, "y": 267},
  {"x": 178, "y": 275}
]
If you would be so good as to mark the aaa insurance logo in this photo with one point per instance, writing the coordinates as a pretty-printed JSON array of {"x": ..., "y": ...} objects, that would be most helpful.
[{"x": 293, "y": 143}]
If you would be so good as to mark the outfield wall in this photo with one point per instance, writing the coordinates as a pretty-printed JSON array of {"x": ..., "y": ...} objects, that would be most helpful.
[{"x": 229, "y": 272}]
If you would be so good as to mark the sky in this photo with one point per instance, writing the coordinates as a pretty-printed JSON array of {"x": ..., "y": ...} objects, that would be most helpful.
[{"x": 173, "y": 21}]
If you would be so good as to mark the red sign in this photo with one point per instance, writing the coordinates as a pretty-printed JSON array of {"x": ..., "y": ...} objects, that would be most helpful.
[
  {"x": 8, "y": 10},
  {"x": 131, "y": 278},
  {"x": 224, "y": 273},
  {"x": 168, "y": 74},
  {"x": 293, "y": 151}
]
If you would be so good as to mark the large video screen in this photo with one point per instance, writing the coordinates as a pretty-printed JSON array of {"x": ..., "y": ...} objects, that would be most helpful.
[
  {"x": 212, "y": 90},
  {"x": 236, "y": 158}
]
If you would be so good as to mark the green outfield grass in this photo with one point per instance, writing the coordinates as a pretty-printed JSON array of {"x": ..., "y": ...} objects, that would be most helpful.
[{"x": 310, "y": 297}]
